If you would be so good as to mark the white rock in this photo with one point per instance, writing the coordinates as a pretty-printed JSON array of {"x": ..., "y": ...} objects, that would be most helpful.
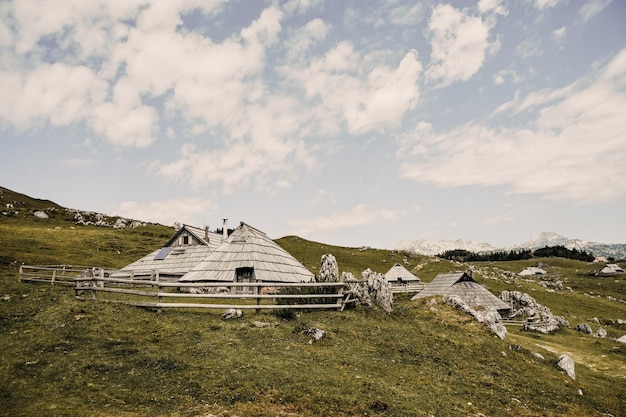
[
  {"x": 567, "y": 364},
  {"x": 231, "y": 314},
  {"x": 41, "y": 214}
]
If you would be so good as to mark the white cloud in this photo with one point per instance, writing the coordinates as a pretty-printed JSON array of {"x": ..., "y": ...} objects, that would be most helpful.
[
  {"x": 304, "y": 38},
  {"x": 542, "y": 4},
  {"x": 502, "y": 76},
  {"x": 124, "y": 126},
  {"x": 592, "y": 8},
  {"x": 559, "y": 34},
  {"x": 495, "y": 6},
  {"x": 576, "y": 127},
  {"x": 459, "y": 45},
  {"x": 358, "y": 90},
  {"x": 301, "y": 6},
  {"x": 56, "y": 94},
  {"x": 167, "y": 212},
  {"x": 360, "y": 215}
]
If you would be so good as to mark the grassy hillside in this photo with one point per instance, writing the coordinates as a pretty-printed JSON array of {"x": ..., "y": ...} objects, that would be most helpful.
[{"x": 63, "y": 357}]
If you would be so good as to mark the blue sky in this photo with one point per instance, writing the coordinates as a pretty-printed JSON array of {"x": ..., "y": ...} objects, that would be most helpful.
[{"x": 347, "y": 122}]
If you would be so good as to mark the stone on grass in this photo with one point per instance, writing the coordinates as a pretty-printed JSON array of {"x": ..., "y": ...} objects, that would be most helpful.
[
  {"x": 40, "y": 214},
  {"x": 231, "y": 314},
  {"x": 567, "y": 364},
  {"x": 583, "y": 328},
  {"x": 315, "y": 333},
  {"x": 600, "y": 333},
  {"x": 489, "y": 317},
  {"x": 542, "y": 320}
]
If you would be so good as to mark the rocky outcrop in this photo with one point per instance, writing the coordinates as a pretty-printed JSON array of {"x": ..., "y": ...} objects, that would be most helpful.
[
  {"x": 379, "y": 289},
  {"x": 583, "y": 328},
  {"x": 539, "y": 317},
  {"x": 489, "y": 317},
  {"x": 372, "y": 289},
  {"x": 329, "y": 271},
  {"x": 89, "y": 218},
  {"x": 600, "y": 333},
  {"x": 41, "y": 215}
]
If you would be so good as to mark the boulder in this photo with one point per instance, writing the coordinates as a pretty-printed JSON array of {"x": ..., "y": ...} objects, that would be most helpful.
[
  {"x": 600, "y": 333},
  {"x": 379, "y": 289},
  {"x": 567, "y": 364},
  {"x": 231, "y": 314},
  {"x": 41, "y": 214},
  {"x": 583, "y": 328},
  {"x": 315, "y": 333},
  {"x": 489, "y": 317},
  {"x": 541, "y": 318},
  {"x": 329, "y": 271},
  {"x": 622, "y": 339}
]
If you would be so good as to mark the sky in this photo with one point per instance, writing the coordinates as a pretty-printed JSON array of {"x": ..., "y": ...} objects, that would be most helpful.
[{"x": 352, "y": 123}]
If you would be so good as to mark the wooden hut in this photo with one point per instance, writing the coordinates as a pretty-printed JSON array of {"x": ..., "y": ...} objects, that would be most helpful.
[
  {"x": 248, "y": 255},
  {"x": 463, "y": 285},
  {"x": 399, "y": 275},
  {"x": 401, "y": 279},
  {"x": 184, "y": 250}
]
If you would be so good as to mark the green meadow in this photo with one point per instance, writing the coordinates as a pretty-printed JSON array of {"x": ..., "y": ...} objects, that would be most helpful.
[{"x": 60, "y": 356}]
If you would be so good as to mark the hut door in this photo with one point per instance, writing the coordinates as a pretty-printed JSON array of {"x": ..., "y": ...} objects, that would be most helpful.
[{"x": 245, "y": 274}]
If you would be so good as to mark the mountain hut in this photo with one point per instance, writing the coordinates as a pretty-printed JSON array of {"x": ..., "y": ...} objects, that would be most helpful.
[
  {"x": 248, "y": 255},
  {"x": 463, "y": 285}
]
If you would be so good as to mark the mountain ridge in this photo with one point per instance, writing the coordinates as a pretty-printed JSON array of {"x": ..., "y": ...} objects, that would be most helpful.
[{"x": 543, "y": 239}]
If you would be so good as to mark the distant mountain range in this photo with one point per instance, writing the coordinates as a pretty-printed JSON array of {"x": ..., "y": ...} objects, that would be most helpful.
[{"x": 617, "y": 250}]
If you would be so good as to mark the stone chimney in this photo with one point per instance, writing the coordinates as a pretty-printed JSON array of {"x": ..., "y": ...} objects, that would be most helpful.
[{"x": 206, "y": 233}]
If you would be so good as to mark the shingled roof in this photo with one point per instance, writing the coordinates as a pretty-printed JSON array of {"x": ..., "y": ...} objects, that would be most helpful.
[
  {"x": 465, "y": 286},
  {"x": 185, "y": 249},
  {"x": 249, "y": 248},
  {"x": 398, "y": 272}
]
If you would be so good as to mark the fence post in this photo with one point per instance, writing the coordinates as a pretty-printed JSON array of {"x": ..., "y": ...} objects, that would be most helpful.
[
  {"x": 159, "y": 298},
  {"x": 340, "y": 299},
  {"x": 54, "y": 273},
  {"x": 257, "y": 291}
]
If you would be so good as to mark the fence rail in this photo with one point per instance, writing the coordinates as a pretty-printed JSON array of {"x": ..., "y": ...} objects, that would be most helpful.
[
  {"x": 53, "y": 274},
  {"x": 224, "y": 295},
  {"x": 149, "y": 289}
]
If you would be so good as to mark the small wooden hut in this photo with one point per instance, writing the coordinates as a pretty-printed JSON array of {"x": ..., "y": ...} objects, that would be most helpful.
[
  {"x": 465, "y": 286},
  {"x": 399, "y": 275}
]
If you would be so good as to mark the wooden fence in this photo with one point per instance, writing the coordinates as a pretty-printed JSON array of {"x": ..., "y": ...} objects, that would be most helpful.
[
  {"x": 53, "y": 274},
  {"x": 149, "y": 289}
]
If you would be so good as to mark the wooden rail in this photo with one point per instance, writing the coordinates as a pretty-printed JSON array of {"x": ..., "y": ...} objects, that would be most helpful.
[
  {"x": 149, "y": 289},
  {"x": 52, "y": 274},
  {"x": 159, "y": 294}
]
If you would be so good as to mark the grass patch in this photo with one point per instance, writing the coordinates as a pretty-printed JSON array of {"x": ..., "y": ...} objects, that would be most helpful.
[{"x": 61, "y": 356}]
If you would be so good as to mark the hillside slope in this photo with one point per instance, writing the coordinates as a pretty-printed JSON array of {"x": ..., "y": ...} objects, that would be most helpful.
[{"x": 62, "y": 356}]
